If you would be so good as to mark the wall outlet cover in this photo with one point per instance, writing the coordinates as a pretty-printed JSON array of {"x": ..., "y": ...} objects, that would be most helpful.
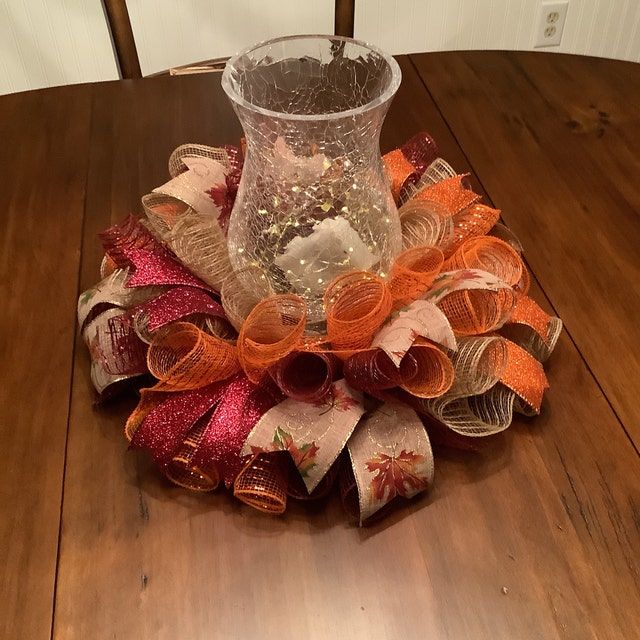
[{"x": 550, "y": 23}]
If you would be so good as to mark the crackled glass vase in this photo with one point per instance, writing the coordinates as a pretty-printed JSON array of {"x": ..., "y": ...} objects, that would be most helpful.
[{"x": 313, "y": 201}]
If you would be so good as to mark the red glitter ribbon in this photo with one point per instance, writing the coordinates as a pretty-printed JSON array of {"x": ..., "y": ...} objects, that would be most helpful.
[
  {"x": 237, "y": 405},
  {"x": 420, "y": 150},
  {"x": 129, "y": 244},
  {"x": 178, "y": 303}
]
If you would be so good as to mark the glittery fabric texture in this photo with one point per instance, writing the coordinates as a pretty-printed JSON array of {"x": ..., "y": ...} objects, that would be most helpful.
[{"x": 312, "y": 108}]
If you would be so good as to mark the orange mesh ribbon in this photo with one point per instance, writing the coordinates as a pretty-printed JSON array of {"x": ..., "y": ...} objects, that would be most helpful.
[
  {"x": 532, "y": 328},
  {"x": 185, "y": 357},
  {"x": 400, "y": 172},
  {"x": 488, "y": 254},
  {"x": 525, "y": 376},
  {"x": 413, "y": 272},
  {"x": 426, "y": 371},
  {"x": 474, "y": 301},
  {"x": 451, "y": 193},
  {"x": 356, "y": 305},
  {"x": 273, "y": 329},
  {"x": 476, "y": 220},
  {"x": 262, "y": 484}
]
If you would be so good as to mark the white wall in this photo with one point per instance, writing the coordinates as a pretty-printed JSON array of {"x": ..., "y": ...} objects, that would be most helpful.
[
  {"x": 608, "y": 28},
  {"x": 170, "y": 33},
  {"x": 50, "y": 42}
]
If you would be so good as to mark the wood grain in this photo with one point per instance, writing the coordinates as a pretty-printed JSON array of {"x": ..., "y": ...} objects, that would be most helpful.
[
  {"x": 43, "y": 156},
  {"x": 123, "y": 39},
  {"x": 536, "y": 537},
  {"x": 554, "y": 141}
]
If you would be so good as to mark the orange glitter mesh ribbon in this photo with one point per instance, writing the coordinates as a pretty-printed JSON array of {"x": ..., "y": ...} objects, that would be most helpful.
[
  {"x": 451, "y": 193},
  {"x": 476, "y": 220},
  {"x": 525, "y": 376},
  {"x": 262, "y": 484},
  {"x": 413, "y": 272},
  {"x": 399, "y": 171},
  {"x": 273, "y": 329},
  {"x": 356, "y": 306},
  {"x": 185, "y": 357},
  {"x": 488, "y": 254},
  {"x": 532, "y": 328}
]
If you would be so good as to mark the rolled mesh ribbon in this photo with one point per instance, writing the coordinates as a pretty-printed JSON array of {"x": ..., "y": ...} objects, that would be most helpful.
[
  {"x": 185, "y": 357},
  {"x": 476, "y": 220},
  {"x": 437, "y": 171},
  {"x": 505, "y": 234},
  {"x": 488, "y": 254},
  {"x": 474, "y": 301},
  {"x": 425, "y": 223},
  {"x": 425, "y": 370},
  {"x": 177, "y": 164},
  {"x": 197, "y": 240},
  {"x": 420, "y": 150},
  {"x": 478, "y": 365},
  {"x": 371, "y": 370},
  {"x": 306, "y": 375},
  {"x": 241, "y": 291},
  {"x": 273, "y": 329},
  {"x": 182, "y": 470},
  {"x": 493, "y": 377},
  {"x": 262, "y": 484},
  {"x": 400, "y": 172},
  {"x": 413, "y": 272},
  {"x": 356, "y": 305}
]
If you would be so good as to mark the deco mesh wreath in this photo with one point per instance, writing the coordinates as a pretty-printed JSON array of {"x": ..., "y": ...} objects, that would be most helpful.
[{"x": 250, "y": 394}]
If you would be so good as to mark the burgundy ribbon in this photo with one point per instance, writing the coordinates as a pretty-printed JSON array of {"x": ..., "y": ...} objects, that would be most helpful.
[
  {"x": 165, "y": 427},
  {"x": 420, "y": 150},
  {"x": 130, "y": 244},
  {"x": 241, "y": 406},
  {"x": 305, "y": 375},
  {"x": 178, "y": 303}
]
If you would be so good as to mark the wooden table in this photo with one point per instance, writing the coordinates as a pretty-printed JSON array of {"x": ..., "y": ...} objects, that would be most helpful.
[{"x": 536, "y": 537}]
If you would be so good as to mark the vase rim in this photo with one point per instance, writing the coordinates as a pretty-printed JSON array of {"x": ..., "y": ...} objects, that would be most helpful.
[{"x": 386, "y": 95}]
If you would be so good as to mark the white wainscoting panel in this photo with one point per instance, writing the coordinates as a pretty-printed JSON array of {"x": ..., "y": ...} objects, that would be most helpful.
[
  {"x": 171, "y": 33},
  {"x": 44, "y": 43},
  {"x": 606, "y": 28}
]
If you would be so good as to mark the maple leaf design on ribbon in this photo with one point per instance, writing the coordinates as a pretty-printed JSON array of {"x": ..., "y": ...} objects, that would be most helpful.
[
  {"x": 303, "y": 457},
  {"x": 396, "y": 475},
  {"x": 338, "y": 399}
]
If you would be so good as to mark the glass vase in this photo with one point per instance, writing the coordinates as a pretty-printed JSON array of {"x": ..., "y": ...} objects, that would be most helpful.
[{"x": 314, "y": 201}]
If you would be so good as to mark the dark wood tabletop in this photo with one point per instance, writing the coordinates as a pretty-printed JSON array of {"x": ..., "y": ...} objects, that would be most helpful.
[{"x": 536, "y": 537}]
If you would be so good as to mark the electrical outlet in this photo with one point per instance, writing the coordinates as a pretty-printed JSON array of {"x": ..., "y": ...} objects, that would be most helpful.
[{"x": 551, "y": 19}]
